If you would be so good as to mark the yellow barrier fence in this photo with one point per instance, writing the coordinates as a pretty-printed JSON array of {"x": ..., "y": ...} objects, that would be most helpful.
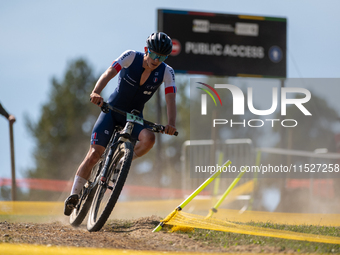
[
  {"x": 188, "y": 220},
  {"x": 23, "y": 249},
  {"x": 315, "y": 219}
]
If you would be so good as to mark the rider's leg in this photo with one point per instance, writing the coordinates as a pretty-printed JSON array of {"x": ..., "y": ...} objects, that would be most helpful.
[
  {"x": 146, "y": 141},
  {"x": 84, "y": 170},
  {"x": 82, "y": 175},
  {"x": 101, "y": 134}
]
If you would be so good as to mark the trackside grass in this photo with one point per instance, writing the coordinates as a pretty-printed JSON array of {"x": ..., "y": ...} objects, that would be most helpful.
[{"x": 227, "y": 240}]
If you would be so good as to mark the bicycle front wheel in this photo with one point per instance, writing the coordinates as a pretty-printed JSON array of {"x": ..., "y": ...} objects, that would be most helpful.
[{"x": 108, "y": 193}]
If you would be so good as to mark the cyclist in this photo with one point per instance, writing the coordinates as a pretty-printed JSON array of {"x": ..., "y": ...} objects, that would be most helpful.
[{"x": 140, "y": 76}]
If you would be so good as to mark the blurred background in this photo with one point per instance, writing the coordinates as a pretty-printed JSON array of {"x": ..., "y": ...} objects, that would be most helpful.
[{"x": 52, "y": 53}]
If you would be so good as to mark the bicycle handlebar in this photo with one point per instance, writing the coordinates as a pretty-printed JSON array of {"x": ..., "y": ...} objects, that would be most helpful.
[{"x": 154, "y": 127}]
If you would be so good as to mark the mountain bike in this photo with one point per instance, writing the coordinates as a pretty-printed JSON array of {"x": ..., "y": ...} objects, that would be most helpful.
[{"x": 101, "y": 192}]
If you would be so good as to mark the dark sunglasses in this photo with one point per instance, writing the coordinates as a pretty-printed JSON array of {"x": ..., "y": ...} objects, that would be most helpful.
[{"x": 154, "y": 56}]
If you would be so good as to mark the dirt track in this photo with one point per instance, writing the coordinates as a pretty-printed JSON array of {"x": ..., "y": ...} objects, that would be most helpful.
[{"x": 132, "y": 234}]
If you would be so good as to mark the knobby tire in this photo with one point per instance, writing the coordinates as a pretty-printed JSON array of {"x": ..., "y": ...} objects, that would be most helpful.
[
  {"x": 97, "y": 219},
  {"x": 79, "y": 213}
]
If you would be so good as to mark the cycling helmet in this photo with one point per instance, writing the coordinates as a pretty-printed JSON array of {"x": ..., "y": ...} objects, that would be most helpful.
[{"x": 160, "y": 43}]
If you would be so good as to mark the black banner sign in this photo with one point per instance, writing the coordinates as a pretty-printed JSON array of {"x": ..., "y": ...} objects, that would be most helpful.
[{"x": 225, "y": 45}]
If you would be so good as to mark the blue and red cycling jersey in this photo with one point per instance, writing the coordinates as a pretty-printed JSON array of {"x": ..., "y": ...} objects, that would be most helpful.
[{"x": 130, "y": 94}]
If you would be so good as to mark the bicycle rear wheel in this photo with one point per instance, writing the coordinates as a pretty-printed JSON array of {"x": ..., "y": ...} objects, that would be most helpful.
[
  {"x": 86, "y": 196},
  {"x": 108, "y": 193}
]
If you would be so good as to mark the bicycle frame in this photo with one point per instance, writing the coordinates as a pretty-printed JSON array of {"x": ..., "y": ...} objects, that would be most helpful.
[
  {"x": 118, "y": 138},
  {"x": 123, "y": 135},
  {"x": 110, "y": 172}
]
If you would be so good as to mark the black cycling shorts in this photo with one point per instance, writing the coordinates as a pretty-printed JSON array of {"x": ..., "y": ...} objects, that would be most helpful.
[{"x": 105, "y": 124}]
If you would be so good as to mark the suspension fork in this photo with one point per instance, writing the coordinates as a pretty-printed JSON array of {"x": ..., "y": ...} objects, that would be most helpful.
[{"x": 107, "y": 163}]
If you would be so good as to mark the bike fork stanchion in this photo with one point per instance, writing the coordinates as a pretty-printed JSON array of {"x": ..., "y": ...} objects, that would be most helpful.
[{"x": 107, "y": 163}]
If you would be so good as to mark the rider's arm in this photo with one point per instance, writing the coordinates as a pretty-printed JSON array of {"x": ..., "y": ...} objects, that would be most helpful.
[
  {"x": 104, "y": 79},
  {"x": 123, "y": 61},
  {"x": 3, "y": 112},
  {"x": 8, "y": 116},
  {"x": 170, "y": 98}
]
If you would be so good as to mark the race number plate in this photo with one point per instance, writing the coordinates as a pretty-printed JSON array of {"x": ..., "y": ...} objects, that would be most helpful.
[{"x": 134, "y": 119}]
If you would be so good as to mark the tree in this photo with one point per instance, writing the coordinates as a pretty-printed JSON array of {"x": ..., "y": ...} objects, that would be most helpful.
[{"x": 63, "y": 131}]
